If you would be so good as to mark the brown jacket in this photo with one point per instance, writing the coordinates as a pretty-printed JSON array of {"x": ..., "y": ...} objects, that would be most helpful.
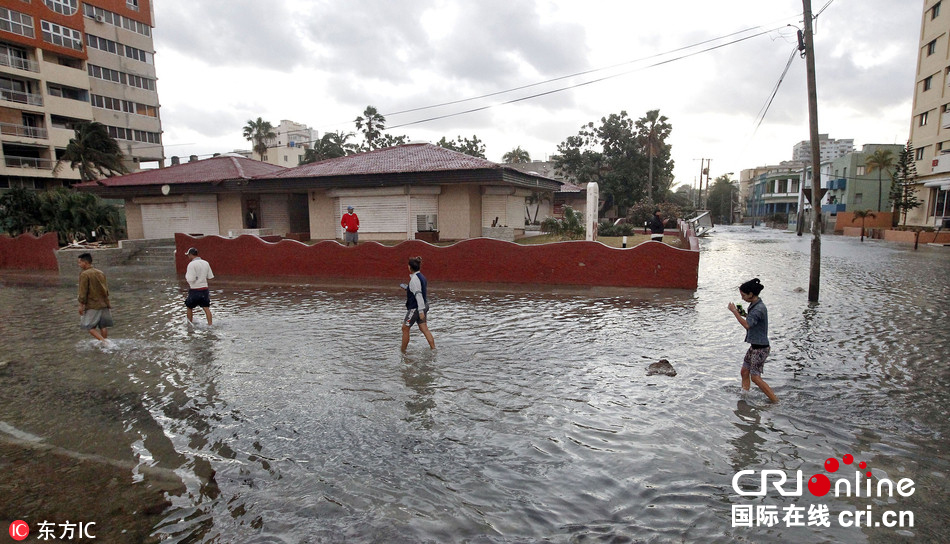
[{"x": 93, "y": 291}]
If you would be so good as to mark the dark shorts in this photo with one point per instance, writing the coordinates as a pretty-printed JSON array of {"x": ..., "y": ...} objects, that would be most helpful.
[
  {"x": 198, "y": 297},
  {"x": 96, "y": 319},
  {"x": 412, "y": 317},
  {"x": 755, "y": 360}
]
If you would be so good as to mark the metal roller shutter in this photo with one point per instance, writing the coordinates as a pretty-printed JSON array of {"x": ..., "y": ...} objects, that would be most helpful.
[
  {"x": 275, "y": 213},
  {"x": 426, "y": 206},
  {"x": 199, "y": 215},
  {"x": 494, "y": 206},
  {"x": 376, "y": 213}
]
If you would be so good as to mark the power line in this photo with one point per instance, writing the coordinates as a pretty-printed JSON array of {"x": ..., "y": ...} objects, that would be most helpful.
[
  {"x": 591, "y": 82},
  {"x": 778, "y": 84}
]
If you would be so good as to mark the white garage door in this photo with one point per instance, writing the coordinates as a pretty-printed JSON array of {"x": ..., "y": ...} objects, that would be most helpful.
[
  {"x": 199, "y": 215},
  {"x": 376, "y": 213},
  {"x": 495, "y": 206},
  {"x": 275, "y": 213}
]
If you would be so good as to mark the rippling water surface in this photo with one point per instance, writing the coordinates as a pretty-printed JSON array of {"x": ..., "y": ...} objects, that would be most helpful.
[{"x": 296, "y": 419}]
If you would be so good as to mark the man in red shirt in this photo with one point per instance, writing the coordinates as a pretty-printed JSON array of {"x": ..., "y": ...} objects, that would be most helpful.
[{"x": 350, "y": 224}]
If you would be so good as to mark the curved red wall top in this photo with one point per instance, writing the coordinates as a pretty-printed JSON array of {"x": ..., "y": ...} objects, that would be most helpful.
[
  {"x": 27, "y": 252},
  {"x": 479, "y": 260}
]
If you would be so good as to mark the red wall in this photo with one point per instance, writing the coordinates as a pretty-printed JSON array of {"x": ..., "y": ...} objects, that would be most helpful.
[
  {"x": 27, "y": 252},
  {"x": 480, "y": 260}
]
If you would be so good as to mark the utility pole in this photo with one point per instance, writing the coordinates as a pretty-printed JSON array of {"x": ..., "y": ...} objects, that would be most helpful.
[
  {"x": 699, "y": 195},
  {"x": 815, "y": 274}
]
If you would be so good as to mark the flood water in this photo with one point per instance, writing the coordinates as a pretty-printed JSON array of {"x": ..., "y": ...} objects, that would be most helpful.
[{"x": 296, "y": 419}]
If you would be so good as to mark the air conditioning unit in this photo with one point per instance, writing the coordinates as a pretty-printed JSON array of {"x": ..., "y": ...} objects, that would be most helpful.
[
  {"x": 100, "y": 19},
  {"x": 426, "y": 223}
]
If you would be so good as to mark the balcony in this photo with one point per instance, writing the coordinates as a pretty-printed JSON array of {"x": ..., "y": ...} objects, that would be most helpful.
[
  {"x": 23, "y": 131},
  {"x": 832, "y": 208},
  {"x": 29, "y": 162},
  {"x": 21, "y": 97},
  {"x": 837, "y": 184},
  {"x": 19, "y": 64}
]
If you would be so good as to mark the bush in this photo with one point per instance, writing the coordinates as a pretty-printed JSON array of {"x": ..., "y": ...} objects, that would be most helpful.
[
  {"x": 606, "y": 228},
  {"x": 71, "y": 214},
  {"x": 571, "y": 227}
]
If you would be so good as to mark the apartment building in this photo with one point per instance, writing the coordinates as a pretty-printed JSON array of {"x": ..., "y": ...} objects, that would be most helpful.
[
  {"x": 930, "y": 124},
  {"x": 66, "y": 61},
  {"x": 828, "y": 148},
  {"x": 290, "y": 144}
]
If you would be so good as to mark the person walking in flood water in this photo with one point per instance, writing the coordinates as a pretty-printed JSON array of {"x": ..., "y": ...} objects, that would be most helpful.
[
  {"x": 197, "y": 276},
  {"x": 756, "y": 323},
  {"x": 94, "y": 308},
  {"x": 417, "y": 304}
]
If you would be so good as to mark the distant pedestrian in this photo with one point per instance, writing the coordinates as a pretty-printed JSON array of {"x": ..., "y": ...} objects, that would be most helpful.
[
  {"x": 197, "y": 276},
  {"x": 656, "y": 226},
  {"x": 756, "y": 323},
  {"x": 94, "y": 308},
  {"x": 417, "y": 304},
  {"x": 351, "y": 224},
  {"x": 251, "y": 219}
]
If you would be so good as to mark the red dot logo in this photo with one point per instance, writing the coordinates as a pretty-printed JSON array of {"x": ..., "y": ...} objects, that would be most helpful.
[
  {"x": 862, "y": 465},
  {"x": 848, "y": 459},
  {"x": 831, "y": 464},
  {"x": 19, "y": 530},
  {"x": 819, "y": 485}
]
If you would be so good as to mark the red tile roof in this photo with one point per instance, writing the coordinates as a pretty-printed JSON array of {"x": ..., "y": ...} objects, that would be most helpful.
[
  {"x": 391, "y": 160},
  {"x": 213, "y": 170}
]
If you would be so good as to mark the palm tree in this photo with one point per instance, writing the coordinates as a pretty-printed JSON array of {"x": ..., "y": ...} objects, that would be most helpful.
[
  {"x": 93, "y": 152},
  {"x": 516, "y": 156},
  {"x": 259, "y": 133},
  {"x": 862, "y": 215},
  {"x": 880, "y": 160},
  {"x": 330, "y": 146},
  {"x": 654, "y": 130},
  {"x": 372, "y": 127}
]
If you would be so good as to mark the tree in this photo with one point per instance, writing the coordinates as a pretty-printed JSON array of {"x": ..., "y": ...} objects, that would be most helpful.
[
  {"x": 473, "y": 147},
  {"x": 903, "y": 193},
  {"x": 20, "y": 211},
  {"x": 722, "y": 198},
  {"x": 259, "y": 133},
  {"x": 93, "y": 152},
  {"x": 609, "y": 154},
  {"x": 862, "y": 215},
  {"x": 330, "y": 146},
  {"x": 516, "y": 156},
  {"x": 880, "y": 160},
  {"x": 535, "y": 198},
  {"x": 653, "y": 130},
  {"x": 371, "y": 124}
]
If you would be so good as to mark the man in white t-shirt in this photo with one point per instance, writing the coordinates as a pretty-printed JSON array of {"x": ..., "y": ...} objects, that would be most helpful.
[{"x": 197, "y": 276}]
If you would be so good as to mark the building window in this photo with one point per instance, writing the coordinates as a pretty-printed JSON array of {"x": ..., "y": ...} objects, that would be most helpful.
[
  {"x": 66, "y": 7},
  {"x": 928, "y": 83},
  {"x": 923, "y": 118},
  {"x": 935, "y": 11},
  {"x": 132, "y": 4},
  {"x": 64, "y": 91},
  {"x": 859, "y": 171},
  {"x": 931, "y": 48},
  {"x": 16, "y": 23},
  {"x": 61, "y": 35},
  {"x": 919, "y": 154},
  {"x": 114, "y": 19},
  {"x": 858, "y": 197}
]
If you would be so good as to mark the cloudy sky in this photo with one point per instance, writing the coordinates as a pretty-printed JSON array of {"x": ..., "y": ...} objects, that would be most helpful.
[{"x": 222, "y": 62}]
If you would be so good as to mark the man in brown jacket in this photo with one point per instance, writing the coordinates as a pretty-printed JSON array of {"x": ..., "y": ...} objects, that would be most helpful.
[{"x": 94, "y": 307}]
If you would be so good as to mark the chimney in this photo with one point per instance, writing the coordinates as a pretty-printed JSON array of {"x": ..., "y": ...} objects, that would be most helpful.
[
  {"x": 176, "y": 160},
  {"x": 193, "y": 158}
]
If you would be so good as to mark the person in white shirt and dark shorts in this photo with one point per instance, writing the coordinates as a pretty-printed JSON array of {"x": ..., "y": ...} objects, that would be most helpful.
[{"x": 197, "y": 276}]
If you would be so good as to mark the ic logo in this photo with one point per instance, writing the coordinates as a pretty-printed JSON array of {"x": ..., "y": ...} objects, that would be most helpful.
[{"x": 19, "y": 530}]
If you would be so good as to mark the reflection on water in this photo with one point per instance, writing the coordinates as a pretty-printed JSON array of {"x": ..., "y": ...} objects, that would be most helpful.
[{"x": 296, "y": 419}]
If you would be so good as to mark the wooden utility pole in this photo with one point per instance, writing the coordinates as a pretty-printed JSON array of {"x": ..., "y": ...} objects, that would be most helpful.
[{"x": 815, "y": 274}]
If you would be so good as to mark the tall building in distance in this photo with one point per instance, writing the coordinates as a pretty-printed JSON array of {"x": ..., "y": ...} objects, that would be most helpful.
[
  {"x": 930, "y": 124},
  {"x": 829, "y": 149},
  {"x": 292, "y": 142},
  {"x": 66, "y": 61}
]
